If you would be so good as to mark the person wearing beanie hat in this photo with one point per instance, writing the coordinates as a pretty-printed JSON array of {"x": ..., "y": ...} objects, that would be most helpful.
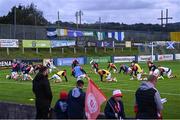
[
  {"x": 114, "y": 108},
  {"x": 61, "y": 106}
]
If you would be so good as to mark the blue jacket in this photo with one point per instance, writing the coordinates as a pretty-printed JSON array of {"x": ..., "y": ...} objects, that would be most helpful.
[{"x": 61, "y": 109}]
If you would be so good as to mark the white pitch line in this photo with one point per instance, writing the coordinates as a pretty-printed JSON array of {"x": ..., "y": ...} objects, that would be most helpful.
[{"x": 70, "y": 86}]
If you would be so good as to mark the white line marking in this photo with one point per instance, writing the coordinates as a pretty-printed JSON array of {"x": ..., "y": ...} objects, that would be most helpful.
[{"x": 70, "y": 86}]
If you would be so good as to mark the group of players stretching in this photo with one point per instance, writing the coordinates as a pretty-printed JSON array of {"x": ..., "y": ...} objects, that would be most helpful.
[{"x": 23, "y": 71}]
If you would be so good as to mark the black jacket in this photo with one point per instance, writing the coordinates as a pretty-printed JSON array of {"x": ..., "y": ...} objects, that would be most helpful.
[
  {"x": 146, "y": 104},
  {"x": 42, "y": 90},
  {"x": 76, "y": 104},
  {"x": 61, "y": 109},
  {"x": 109, "y": 110}
]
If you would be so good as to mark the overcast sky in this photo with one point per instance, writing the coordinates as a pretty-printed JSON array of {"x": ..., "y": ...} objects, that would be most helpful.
[{"x": 126, "y": 11}]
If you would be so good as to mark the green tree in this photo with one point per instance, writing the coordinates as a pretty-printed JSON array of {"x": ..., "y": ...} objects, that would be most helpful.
[{"x": 25, "y": 15}]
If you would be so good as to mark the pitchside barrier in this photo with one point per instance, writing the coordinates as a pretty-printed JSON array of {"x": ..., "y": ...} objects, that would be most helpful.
[{"x": 86, "y": 60}]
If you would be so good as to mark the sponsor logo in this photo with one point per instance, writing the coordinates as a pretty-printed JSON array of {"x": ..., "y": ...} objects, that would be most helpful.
[
  {"x": 5, "y": 63},
  {"x": 165, "y": 57},
  {"x": 92, "y": 103},
  {"x": 124, "y": 59}
]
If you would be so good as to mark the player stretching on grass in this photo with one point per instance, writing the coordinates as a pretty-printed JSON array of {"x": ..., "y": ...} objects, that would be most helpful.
[
  {"x": 152, "y": 67},
  {"x": 112, "y": 66},
  {"x": 74, "y": 63},
  {"x": 58, "y": 76},
  {"x": 137, "y": 71},
  {"x": 107, "y": 75},
  {"x": 79, "y": 73},
  {"x": 94, "y": 66},
  {"x": 126, "y": 69},
  {"x": 14, "y": 72},
  {"x": 26, "y": 72},
  {"x": 166, "y": 71}
]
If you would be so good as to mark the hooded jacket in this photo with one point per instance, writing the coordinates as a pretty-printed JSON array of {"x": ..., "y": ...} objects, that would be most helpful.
[
  {"x": 148, "y": 101},
  {"x": 76, "y": 103}
]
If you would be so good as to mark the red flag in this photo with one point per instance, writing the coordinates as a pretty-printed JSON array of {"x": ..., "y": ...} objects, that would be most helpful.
[{"x": 94, "y": 99}]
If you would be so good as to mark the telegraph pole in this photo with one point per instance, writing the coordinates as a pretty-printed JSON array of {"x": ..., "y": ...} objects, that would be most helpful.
[
  {"x": 76, "y": 15},
  {"x": 80, "y": 16},
  {"x": 14, "y": 22},
  {"x": 100, "y": 26},
  {"x": 58, "y": 19}
]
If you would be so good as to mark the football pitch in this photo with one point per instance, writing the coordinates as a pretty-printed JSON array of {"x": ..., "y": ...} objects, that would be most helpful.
[{"x": 21, "y": 91}]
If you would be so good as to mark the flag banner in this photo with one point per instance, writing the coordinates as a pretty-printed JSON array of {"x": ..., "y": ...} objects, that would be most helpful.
[
  {"x": 175, "y": 36},
  {"x": 100, "y": 35},
  {"x": 170, "y": 45},
  {"x": 119, "y": 36},
  {"x": 36, "y": 43},
  {"x": 93, "y": 101},
  {"x": 91, "y": 43},
  {"x": 43, "y": 44},
  {"x": 67, "y": 61},
  {"x": 81, "y": 43},
  {"x": 110, "y": 34},
  {"x": 73, "y": 33},
  {"x": 137, "y": 44},
  {"x": 79, "y": 33},
  {"x": 128, "y": 44},
  {"x": 9, "y": 43},
  {"x": 51, "y": 33},
  {"x": 88, "y": 33},
  {"x": 61, "y": 32},
  {"x": 108, "y": 44},
  {"x": 118, "y": 44},
  {"x": 62, "y": 43}
]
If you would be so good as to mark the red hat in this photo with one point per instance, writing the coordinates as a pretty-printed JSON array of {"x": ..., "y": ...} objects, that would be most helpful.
[{"x": 63, "y": 95}]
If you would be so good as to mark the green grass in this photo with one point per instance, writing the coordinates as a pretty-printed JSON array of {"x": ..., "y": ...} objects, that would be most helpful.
[
  {"x": 21, "y": 92},
  {"x": 68, "y": 52}
]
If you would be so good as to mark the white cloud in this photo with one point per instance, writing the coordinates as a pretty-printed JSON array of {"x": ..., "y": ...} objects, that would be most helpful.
[{"x": 129, "y": 11}]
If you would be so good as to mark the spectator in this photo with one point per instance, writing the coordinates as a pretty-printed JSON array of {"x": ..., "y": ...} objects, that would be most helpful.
[
  {"x": 76, "y": 102},
  {"x": 114, "y": 108},
  {"x": 61, "y": 106},
  {"x": 43, "y": 94},
  {"x": 148, "y": 100}
]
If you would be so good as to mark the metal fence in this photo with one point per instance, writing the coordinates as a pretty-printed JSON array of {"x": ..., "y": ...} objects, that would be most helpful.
[{"x": 9, "y": 31}]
